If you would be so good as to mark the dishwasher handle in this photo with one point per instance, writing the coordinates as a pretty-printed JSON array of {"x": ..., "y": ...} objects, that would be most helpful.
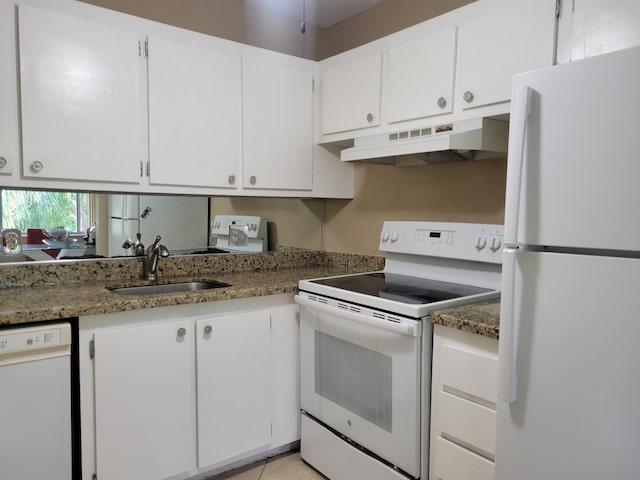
[{"x": 401, "y": 328}]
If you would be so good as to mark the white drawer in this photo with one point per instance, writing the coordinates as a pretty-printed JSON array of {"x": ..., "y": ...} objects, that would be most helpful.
[
  {"x": 469, "y": 372},
  {"x": 457, "y": 463},
  {"x": 468, "y": 422}
]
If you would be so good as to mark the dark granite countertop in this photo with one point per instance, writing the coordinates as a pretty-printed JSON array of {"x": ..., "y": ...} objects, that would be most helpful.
[
  {"x": 64, "y": 289},
  {"x": 55, "y": 290},
  {"x": 480, "y": 318}
]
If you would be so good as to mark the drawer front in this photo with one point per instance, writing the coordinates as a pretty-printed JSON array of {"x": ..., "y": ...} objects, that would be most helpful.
[
  {"x": 457, "y": 463},
  {"x": 469, "y": 372},
  {"x": 468, "y": 422}
]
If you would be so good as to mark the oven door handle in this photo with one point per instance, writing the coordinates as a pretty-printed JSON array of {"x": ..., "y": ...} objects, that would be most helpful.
[{"x": 411, "y": 330}]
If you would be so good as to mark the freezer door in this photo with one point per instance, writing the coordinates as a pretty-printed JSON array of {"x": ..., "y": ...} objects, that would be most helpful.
[
  {"x": 577, "y": 360},
  {"x": 573, "y": 165}
]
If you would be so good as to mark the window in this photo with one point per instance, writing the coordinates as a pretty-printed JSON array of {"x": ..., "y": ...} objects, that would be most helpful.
[{"x": 23, "y": 209}]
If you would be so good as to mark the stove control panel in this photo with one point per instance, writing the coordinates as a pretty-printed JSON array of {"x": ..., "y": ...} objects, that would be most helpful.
[{"x": 465, "y": 241}]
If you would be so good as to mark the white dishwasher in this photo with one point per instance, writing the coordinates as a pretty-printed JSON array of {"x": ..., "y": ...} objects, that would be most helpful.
[{"x": 35, "y": 402}]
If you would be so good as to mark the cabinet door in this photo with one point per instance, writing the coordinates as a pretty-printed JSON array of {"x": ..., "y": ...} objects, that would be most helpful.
[
  {"x": 80, "y": 84},
  {"x": 515, "y": 38},
  {"x": 194, "y": 115},
  {"x": 351, "y": 90},
  {"x": 8, "y": 95},
  {"x": 234, "y": 386},
  {"x": 421, "y": 77},
  {"x": 277, "y": 122},
  {"x": 144, "y": 401}
]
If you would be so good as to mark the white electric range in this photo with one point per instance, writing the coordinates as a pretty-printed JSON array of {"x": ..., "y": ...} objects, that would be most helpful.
[{"x": 365, "y": 347}]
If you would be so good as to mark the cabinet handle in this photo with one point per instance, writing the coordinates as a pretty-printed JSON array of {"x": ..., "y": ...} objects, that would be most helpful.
[
  {"x": 36, "y": 166},
  {"x": 182, "y": 332},
  {"x": 252, "y": 180},
  {"x": 208, "y": 330},
  {"x": 442, "y": 102},
  {"x": 232, "y": 179},
  {"x": 369, "y": 117},
  {"x": 467, "y": 96},
  {"x": 3, "y": 162}
]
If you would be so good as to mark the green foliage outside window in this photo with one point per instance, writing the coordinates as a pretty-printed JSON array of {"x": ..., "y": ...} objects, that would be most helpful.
[{"x": 24, "y": 209}]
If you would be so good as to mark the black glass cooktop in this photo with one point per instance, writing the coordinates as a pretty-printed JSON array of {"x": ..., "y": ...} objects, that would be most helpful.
[{"x": 402, "y": 288}]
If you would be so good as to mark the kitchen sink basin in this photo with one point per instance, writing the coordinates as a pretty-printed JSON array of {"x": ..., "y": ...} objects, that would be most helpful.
[{"x": 170, "y": 288}]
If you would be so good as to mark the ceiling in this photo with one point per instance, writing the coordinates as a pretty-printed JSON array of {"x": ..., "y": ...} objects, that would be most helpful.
[{"x": 324, "y": 13}]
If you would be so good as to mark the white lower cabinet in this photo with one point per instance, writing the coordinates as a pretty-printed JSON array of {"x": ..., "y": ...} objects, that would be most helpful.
[
  {"x": 463, "y": 405},
  {"x": 143, "y": 400},
  {"x": 233, "y": 378},
  {"x": 171, "y": 392}
]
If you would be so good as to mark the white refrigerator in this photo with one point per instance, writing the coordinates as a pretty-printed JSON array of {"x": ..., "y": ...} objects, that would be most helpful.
[
  {"x": 181, "y": 221},
  {"x": 569, "y": 347}
]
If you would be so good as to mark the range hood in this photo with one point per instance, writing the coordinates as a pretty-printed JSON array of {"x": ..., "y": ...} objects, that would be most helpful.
[{"x": 464, "y": 140}]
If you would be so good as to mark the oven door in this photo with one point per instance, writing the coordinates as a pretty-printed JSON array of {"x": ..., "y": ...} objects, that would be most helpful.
[{"x": 361, "y": 377}]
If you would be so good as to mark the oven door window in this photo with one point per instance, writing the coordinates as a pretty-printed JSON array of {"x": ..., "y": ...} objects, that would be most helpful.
[
  {"x": 356, "y": 378},
  {"x": 363, "y": 382}
]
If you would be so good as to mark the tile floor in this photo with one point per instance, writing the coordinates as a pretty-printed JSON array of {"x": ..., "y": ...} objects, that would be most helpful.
[{"x": 287, "y": 466}]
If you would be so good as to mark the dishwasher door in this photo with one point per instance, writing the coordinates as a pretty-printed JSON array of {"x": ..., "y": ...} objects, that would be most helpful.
[{"x": 35, "y": 402}]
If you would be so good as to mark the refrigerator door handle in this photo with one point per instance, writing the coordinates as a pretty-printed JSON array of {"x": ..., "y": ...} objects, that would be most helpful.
[
  {"x": 521, "y": 106},
  {"x": 507, "y": 379}
]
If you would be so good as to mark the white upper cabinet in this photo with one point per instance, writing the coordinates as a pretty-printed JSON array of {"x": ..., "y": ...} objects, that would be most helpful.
[
  {"x": 593, "y": 27},
  {"x": 80, "y": 87},
  {"x": 514, "y": 37},
  {"x": 277, "y": 121},
  {"x": 421, "y": 76},
  {"x": 351, "y": 91},
  {"x": 194, "y": 114}
]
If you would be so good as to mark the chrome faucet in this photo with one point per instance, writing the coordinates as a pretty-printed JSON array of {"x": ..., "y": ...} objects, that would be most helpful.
[{"x": 154, "y": 252}]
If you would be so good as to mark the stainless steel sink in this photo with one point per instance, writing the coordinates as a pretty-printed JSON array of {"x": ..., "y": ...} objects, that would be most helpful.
[{"x": 170, "y": 288}]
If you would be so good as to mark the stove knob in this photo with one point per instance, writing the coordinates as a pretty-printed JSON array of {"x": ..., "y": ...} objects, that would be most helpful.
[
  {"x": 394, "y": 237},
  {"x": 481, "y": 242},
  {"x": 496, "y": 243},
  {"x": 385, "y": 236}
]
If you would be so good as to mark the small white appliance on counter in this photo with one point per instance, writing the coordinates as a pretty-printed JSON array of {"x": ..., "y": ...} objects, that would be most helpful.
[
  {"x": 181, "y": 221},
  {"x": 240, "y": 233},
  {"x": 35, "y": 403},
  {"x": 569, "y": 351},
  {"x": 365, "y": 347}
]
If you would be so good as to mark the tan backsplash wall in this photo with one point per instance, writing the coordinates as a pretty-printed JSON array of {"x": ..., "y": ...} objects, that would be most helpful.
[{"x": 449, "y": 192}]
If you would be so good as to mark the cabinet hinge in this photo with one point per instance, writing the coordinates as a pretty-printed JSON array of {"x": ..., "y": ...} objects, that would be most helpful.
[
  {"x": 558, "y": 8},
  {"x": 94, "y": 477},
  {"x": 92, "y": 349},
  {"x": 143, "y": 48},
  {"x": 148, "y": 169}
]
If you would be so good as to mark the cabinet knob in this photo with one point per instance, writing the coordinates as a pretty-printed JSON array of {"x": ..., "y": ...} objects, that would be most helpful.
[
  {"x": 442, "y": 102},
  {"x": 182, "y": 332},
  {"x": 232, "y": 179},
  {"x": 252, "y": 180},
  {"x": 369, "y": 117},
  {"x": 208, "y": 330},
  {"x": 467, "y": 96},
  {"x": 3, "y": 162},
  {"x": 36, "y": 166}
]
